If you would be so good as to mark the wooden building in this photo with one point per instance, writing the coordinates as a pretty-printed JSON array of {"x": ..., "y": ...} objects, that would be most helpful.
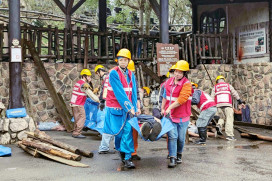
[{"x": 248, "y": 22}]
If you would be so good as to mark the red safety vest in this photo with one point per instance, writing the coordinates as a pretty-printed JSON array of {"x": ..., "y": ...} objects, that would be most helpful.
[
  {"x": 222, "y": 93},
  {"x": 78, "y": 97},
  {"x": 205, "y": 101},
  {"x": 111, "y": 100},
  {"x": 105, "y": 87},
  {"x": 172, "y": 94}
]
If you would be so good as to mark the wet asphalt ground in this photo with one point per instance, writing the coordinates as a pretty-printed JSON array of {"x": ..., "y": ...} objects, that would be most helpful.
[{"x": 218, "y": 160}]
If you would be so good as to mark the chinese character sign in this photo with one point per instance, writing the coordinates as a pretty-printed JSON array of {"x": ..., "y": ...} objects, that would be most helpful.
[
  {"x": 167, "y": 55},
  {"x": 253, "y": 42}
]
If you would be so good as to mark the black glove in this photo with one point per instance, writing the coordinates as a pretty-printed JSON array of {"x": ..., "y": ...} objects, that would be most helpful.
[
  {"x": 240, "y": 101},
  {"x": 102, "y": 106}
]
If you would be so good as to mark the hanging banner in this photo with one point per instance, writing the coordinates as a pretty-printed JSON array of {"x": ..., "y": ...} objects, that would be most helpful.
[
  {"x": 167, "y": 55},
  {"x": 253, "y": 42}
]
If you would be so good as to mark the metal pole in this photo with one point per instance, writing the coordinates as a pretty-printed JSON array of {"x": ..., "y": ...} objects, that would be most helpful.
[
  {"x": 194, "y": 18},
  {"x": 103, "y": 23},
  {"x": 15, "y": 69},
  {"x": 164, "y": 23}
]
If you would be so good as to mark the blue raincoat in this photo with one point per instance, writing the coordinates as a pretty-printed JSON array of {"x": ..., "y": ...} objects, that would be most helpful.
[{"x": 116, "y": 120}]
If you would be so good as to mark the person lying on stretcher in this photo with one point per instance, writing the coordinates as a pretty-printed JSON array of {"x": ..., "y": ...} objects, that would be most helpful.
[{"x": 150, "y": 126}]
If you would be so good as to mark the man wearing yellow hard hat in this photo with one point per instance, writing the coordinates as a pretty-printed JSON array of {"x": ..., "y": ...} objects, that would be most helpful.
[
  {"x": 81, "y": 90},
  {"x": 222, "y": 94},
  {"x": 177, "y": 104},
  {"x": 207, "y": 108},
  {"x": 121, "y": 104}
]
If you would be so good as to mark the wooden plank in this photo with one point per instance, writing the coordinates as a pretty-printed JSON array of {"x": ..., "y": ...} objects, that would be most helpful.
[
  {"x": 132, "y": 47},
  {"x": 138, "y": 77},
  {"x": 182, "y": 51},
  {"x": 210, "y": 48},
  {"x": 256, "y": 136},
  {"x": 231, "y": 49},
  {"x": 199, "y": 48},
  {"x": 65, "y": 45},
  {"x": 78, "y": 43},
  {"x": 39, "y": 41},
  {"x": 195, "y": 50},
  {"x": 190, "y": 52},
  {"x": 121, "y": 40},
  {"x": 66, "y": 120},
  {"x": 150, "y": 73},
  {"x": 113, "y": 44},
  {"x": 252, "y": 125},
  {"x": 57, "y": 46},
  {"x": 32, "y": 152},
  {"x": 72, "y": 45},
  {"x": 215, "y": 48},
  {"x": 227, "y": 51},
  {"x": 142, "y": 76},
  {"x": 79, "y": 3},
  {"x": 60, "y": 5},
  {"x": 49, "y": 41},
  {"x": 92, "y": 45},
  {"x": 107, "y": 45},
  {"x": 99, "y": 46},
  {"x": 86, "y": 50},
  {"x": 186, "y": 49},
  {"x": 221, "y": 45},
  {"x": 1, "y": 42},
  {"x": 203, "y": 47}
]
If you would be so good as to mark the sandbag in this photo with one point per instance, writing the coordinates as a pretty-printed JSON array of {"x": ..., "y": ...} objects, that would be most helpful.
[
  {"x": 5, "y": 151},
  {"x": 16, "y": 113}
]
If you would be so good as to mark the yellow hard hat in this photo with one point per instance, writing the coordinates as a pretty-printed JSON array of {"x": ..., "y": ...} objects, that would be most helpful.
[
  {"x": 98, "y": 67},
  {"x": 168, "y": 74},
  {"x": 131, "y": 66},
  {"x": 220, "y": 77},
  {"x": 195, "y": 84},
  {"x": 124, "y": 53},
  {"x": 172, "y": 67},
  {"x": 147, "y": 90},
  {"x": 86, "y": 72},
  {"x": 182, "y": 65}
]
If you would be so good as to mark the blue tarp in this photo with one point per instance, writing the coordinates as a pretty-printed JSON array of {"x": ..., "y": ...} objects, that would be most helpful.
[
  {"x": 165, "y": 123},
  {"x": 5, "y": 151},
  {"x": 94, "y": 117}
]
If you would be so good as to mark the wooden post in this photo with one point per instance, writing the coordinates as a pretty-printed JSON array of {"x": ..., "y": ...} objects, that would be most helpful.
[
  {"x": 215, "y": 47},
  {"x": 49, "y": 41},
  {"x": 138, "y": 77},
  {"x": 227, "y": 50},
  {"x": 199, "y": 48},
  {"x": 186, "y": 49},
  {"x": 39, "y": 41},
  {"x": 86, "y": 49},
  {"x": 142, "y": 76},
  {"x": 194, "y": 18},
  {"x": 113, "y": 45},
  {"x": 65, "y": 45},
  {"x": 78, "y": 43},
  {"x": 57, "y": 48},
  {"x": 209, "y": 46},
  {"x": 195, "y": 50},
  {"x": 72, "y": 45},
  {"x": 222, "y": 51},
  {"x": 1, "y": 41},
  {"x": 190, "y": 52},
  {"x": 182, "y": 50},
  {"x": 102, "y": 22}
]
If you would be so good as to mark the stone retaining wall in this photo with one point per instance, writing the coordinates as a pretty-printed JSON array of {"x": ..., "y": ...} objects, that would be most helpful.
[{"x": 252, "y": 81}]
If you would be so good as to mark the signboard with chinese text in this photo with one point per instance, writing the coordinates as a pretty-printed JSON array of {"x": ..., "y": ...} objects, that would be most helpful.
[
  {"x": 253, "y": 42},
  {"x": 16, "y": 54},
  {"x": 167, "y": 55}
]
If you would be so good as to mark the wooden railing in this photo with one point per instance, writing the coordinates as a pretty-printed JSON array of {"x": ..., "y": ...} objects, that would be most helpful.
[{"x": 87, "y": 46}]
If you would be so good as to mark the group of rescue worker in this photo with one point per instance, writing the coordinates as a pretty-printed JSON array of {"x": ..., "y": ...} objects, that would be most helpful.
[{"x": 120, "y": 98}]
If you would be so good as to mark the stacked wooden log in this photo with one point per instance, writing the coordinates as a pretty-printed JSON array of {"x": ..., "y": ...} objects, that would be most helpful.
[{"x": 40, "y": 144}]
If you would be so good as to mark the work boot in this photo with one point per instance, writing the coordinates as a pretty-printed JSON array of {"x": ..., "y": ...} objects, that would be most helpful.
[
  {"x": 202, "y": 131},
  {"x": 219, "y": 129},
  {"x": 172, "y": 163},
  {"x": 122, "y": 156},
  {"x": 145, "y": 130},
  {"x": 129, "y": 164},
  {"x": 230, "y": 138},
  {"x": 179, "y": 160},
  {"x": 155, "y": 131},
  {"x": 107, "y": 152},
  {"x": 135, "y": 157}
]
